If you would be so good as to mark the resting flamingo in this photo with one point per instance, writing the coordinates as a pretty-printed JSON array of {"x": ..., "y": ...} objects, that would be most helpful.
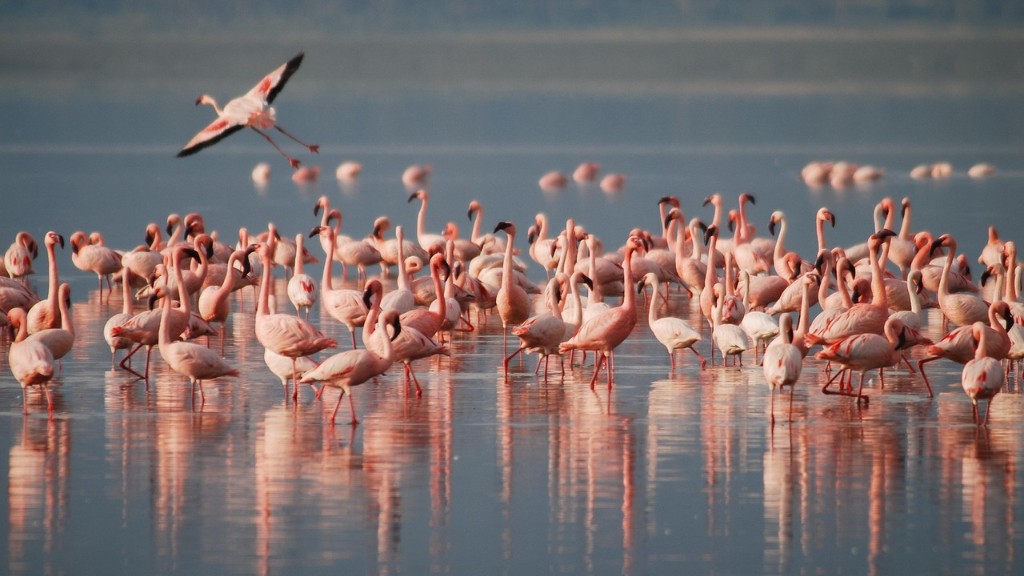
[
  {"x": 783, "y": 363},
  {"x": 673, "y": 333},
  {"x": 604, "y": 332},
  {"x": 19, "y": 256},
  {"x": 251, "y": 110},
  {"x": 351, "y": 368},
  {"x": 31, "y": 361},
  {"x": 284, "y": 334},
  {"x": 982, "y": 377}
]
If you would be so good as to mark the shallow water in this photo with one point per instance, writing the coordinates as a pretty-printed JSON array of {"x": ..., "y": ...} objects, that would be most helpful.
[{"x": 486, "y": 474}]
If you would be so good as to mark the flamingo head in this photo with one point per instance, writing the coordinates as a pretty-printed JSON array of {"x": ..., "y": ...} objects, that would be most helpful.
[
  {"x": 78, "y": 239},
  {"x": 321, "y": 203},
  {"x": 905, "y": 204},
  {"x": 373, "y": 287},
  {"x": 172, "y": 221},
  {"x": 670, "y": 200},
  {"x": 773, "y": 220},
  {"x": 734, "y": 217},
  {"x": 824, "y": 214},
  {"x": 474, "y": 206},
  {"x": 508, "y": 227},
  {"x": 747, "y": 197},
  {"x": 709, "y": 232},
  {"x": 53, "y": 238},
  {"x": 531, "y": 234},
  {"x": 673, "y": 214}
]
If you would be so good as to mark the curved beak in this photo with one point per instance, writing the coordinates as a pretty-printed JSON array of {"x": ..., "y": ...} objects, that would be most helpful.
[
  {"x": 412, "y": 197},
  {"x": 60, "y": 239}
]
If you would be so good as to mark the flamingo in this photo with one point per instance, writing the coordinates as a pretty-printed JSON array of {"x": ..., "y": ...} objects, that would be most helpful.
[
  {"x": 982, "y": 377},
  {"x": 302, "y": 288},
  {"x": 604, "y": 332},
  {"x": 760, "y": 326},
  {"x": 31, "y": 361},
  {"x": 195, "y": 362},
  {"x": 19, "y": 256},
  {"x": 351, "y": 368},
  {"x": 866, "y": 351},
  {"x": 431, "y": 243},
  {"x": 213, "y": 304},
  {"x": 673, "y": 333},
  {"x": 119, "y": 342},
  {"x": 961, "y": 308},
  {"x": 958, "y": 344},
  {"x": 351, "y": 252},
  {"x": 902, "y": 248},
  {"x": 991, "y": 253},
  {"x": 416, "y": 175},
  {"x": 541, "y": 333},
  {"x": 542, "y": 248},
  {"x": 251, "y": 110},
  {"x": 730, "y": 339},
  {"x": 343, "y": 304},
  {"x": 286, "y": 335},
  {"x": 46, "y": 313},
  {"x": 348, "y": 170},
  {"x": 94, "y": 258},
  {"x": 59, "y": 340},
  {"x": 512, "y": 302},
  {"x": 489, "y": 243},
  {"x": 586, "y": 172},
  {"x": 783, "y": 363}
]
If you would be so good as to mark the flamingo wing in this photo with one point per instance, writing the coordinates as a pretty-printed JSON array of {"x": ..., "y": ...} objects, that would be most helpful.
[
  {"x": 271, "y": 85},
  {"x": 217, "y": 130}
]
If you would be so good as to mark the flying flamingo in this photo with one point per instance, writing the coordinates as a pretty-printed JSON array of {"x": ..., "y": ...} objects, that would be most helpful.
[
  {"x": 31, "y": 361},
  {"x": 251, "y": 110},
  {"x": 46, "y": 313},
  {"x": 604, "y": 332},
  {"x": 982, "y": 378},
  {"x": 673, "y": 333},
  {"x": 783, "y": 363},
  {"x": 351, "y": 368},
  {"x": 284, "y": 334}
]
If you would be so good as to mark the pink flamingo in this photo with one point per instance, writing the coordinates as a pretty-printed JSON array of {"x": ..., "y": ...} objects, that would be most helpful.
[
  {"x": 31, "y": 361},
  {"x": 416, "y": 175},
  {"x": 189, "y": 359},
  {"x": 863, "y": 352},
  {"x": 730, "y": 339},
  {"x": 958, "y": 345},
  {"x": 604, "y": 332},
  {"x": 286, "y": 335},
  {"x": 348, "y": 170},
  {"x": 541, "y": 333},
  {"x": 302, "y": 289},
  {"x": 119, "y": 342},
  {"x": 214, "y": 304},
  {"x": 552, "y": 181},
  {"x": 19, "y": 256},
  {"x": 961, "y": 308},
  {"x": 586, "y": 172},
  {"x": 431, "y": 243},
  {"x": 46, "y": 313},
  {"x": 512, "y": 301},
  {"x": 251, "y": 110},
  {"x": 428, "y": 321},
  {"x": 94, "y": 258},
  {"x": 982, "y": 377},
  {"x": 351, "y": 368},
  {"x": 860, "y": 318},
  {"x": 783, "y": 363},
  {"x": 673, "y": 333},
  {"x": 59, "y": 340}
]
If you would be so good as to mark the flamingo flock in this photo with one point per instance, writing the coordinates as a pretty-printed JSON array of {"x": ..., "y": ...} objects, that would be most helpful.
[{"x": 858, "y": 309}]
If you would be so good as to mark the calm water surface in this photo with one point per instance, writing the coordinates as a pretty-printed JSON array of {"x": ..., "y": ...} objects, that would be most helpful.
[{"x": 665, "y": 471}]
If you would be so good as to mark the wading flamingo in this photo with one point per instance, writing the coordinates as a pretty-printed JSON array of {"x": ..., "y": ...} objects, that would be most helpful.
[
  {"x": 982, "y": 378},
  {"x": 783, "y": 363},
  {"x": 31, "y": 361}
]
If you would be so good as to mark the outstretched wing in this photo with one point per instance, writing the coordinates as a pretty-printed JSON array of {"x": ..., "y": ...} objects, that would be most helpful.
[
  {"x": 218, "y": 130},
  {"x": 271, "y": 85}
]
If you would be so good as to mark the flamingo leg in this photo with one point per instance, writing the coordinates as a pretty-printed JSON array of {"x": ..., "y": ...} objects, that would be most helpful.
[
  {"x": 49, "y": 402},
  {"x": 352, "y": 407},
  {"x": 824, "y": 389},
  {"x": 703, "y": 362},
  {"x": 771, "y": 393},
  {"x": 988, "y": 411},
  {"x": 125, "y": 360},
  {"x": 295, "y": 381},
  {"x": 294, "y": 163},
  {"x": 337, "y": 405},
  {"x": 792, "y": 391},
  {"x": 352, "y": 331},
  {"x": 920, "y": 368},
  {"x": 597, "y": 368},
  {"x": 511, "y": 356},
  {"x": 314, "y": 148},
  {"x": 860, "y": 389}
]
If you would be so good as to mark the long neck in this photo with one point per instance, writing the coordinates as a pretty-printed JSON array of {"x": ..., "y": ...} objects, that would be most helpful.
[
  {"x": 780, "y": 242},
  {"x": 652, "y": 312},
  {"x": 126, "y": 294},
  {"x": 844, "y": 291},
  {"x": 826, "y": 276},
  {"x": 263, "y": 305},
  {"x": 944, "y": 278},
  {"x": 298, "y": 255},
  {"x": 577, "y": 313},
  {"x": 371, "y": 320},
  {"x": 183, "y": 295},
  {"x": 65, "y": 312},
  {"x": 442, "y": 302},
  {"x": 325, "y": 279},
  {"x": 51, "y": 253},
  {"x": 805, "y": 308},
  {"x": 629, "y": 294},
  {"x": 905, "y": 226},
  {"x": 421, "y": 219},
  {"x": 403, "y": 276},
  {"x": 878, "y": 297},
  {"x": 477, "y": 218},
  {"x": 709, "y": 274},
  {"x": 915, "y": 298},
  {"x": 820, "y": 230},
  {"x": 1010, "y": 288},
  {"x": 229, "y": 276},
  {"x": 164, "y": 334},
  {"x": 542, "y": 230}
]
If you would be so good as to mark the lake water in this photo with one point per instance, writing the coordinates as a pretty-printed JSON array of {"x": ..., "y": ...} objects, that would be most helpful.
[{"x": 664, "y": 472}]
